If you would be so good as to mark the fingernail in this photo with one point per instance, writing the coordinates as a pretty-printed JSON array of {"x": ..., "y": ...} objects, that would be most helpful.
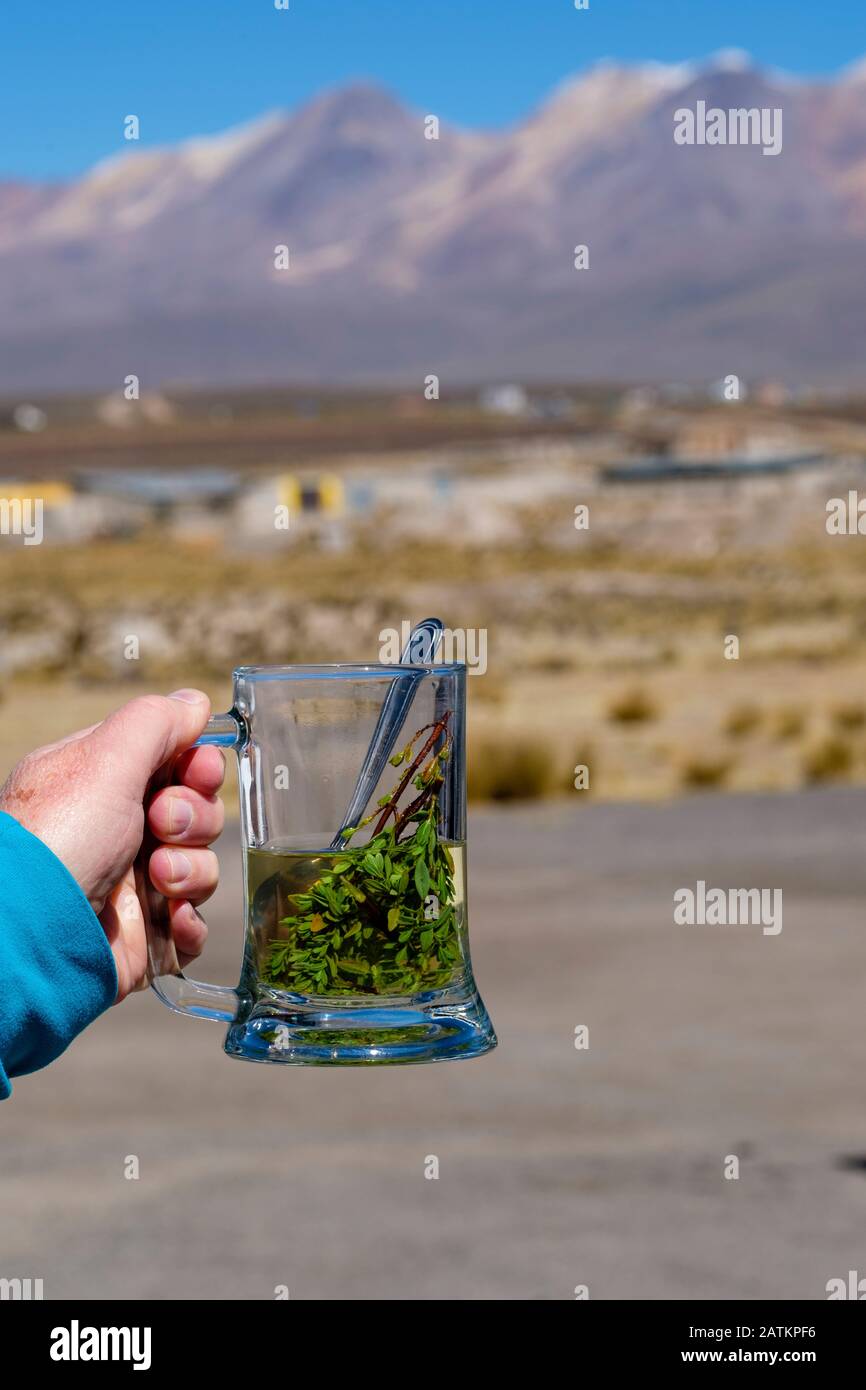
[
  {"x": 179, "y": 867},
  {"x": 189, "y": 697},
  {"x": 179, "y": 815},
  {"x": 198, "y": 920}
]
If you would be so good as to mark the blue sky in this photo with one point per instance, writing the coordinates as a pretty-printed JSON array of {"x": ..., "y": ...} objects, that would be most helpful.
[{"x": 70, "y": 70}]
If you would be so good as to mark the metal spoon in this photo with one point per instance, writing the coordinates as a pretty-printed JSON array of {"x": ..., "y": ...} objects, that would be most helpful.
[{"x": 420, "y": 650}]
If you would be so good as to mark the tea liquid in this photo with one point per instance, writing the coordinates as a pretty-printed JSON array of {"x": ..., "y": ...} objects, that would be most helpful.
[{"x": 337, "y": 924}]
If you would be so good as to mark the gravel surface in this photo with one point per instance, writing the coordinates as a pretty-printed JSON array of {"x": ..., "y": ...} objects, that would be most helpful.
[{"x": 557, "y": 1167}]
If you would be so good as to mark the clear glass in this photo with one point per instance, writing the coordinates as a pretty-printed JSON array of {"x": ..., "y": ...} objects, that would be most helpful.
[{"x": 356, "y": 945}]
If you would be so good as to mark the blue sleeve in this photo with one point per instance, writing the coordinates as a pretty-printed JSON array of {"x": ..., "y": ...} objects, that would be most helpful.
[{"x": 56, "y": 968}]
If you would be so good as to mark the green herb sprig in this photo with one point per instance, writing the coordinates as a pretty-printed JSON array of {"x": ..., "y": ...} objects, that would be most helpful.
[{"x": 381, "y": 919}]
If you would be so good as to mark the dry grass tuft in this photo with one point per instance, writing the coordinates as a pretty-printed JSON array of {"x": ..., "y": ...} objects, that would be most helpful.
[
  {"x": 849, "y": 717},
  {"x": 743, "y": 720},
  {"x": 831, "y": 760},
  {"x": 702, "y": 772},
  {"x": 789, "y": 723},
  {"x": 632, "y": 707},
  {"x": 513, "y": 768}
]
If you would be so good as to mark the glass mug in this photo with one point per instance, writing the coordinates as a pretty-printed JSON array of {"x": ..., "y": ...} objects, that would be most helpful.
[{"x": 356, "y": 938}]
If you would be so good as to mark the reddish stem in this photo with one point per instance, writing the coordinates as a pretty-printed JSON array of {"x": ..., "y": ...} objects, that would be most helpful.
[
  {"x": 415, "y": 806},
  {"x": 391, "y": 808}
]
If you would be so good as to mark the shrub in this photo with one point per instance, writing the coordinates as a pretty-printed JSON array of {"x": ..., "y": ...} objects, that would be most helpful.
[
  {"x": 510, "y": 769},
  {"x": 829, "y": 761},
  {"x": 632, "y": 707},
  {"x": 789, "y": 723},
  {"x": 701, "y": 772},
  {"x": 742, "y": 720},
  {"x": 849, "y": 717},
  {"x": 582, "y": 757}
]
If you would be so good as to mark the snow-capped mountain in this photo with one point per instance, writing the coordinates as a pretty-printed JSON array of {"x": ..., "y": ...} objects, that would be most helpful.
[{"x": 410, "y": 255}]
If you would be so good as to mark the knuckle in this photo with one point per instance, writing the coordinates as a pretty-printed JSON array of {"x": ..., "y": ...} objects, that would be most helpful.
[{"x": 153, "y": 706}]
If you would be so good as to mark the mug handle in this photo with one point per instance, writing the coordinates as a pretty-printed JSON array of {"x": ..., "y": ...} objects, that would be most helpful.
[{"x": 164, "y": 975}]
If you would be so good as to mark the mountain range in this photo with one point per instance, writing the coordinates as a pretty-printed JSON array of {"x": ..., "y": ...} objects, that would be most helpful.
[{"x": 410, "y": 256}]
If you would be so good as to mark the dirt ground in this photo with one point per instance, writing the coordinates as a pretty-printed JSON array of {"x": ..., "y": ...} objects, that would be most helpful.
[{"x": 558, "y": 1167}]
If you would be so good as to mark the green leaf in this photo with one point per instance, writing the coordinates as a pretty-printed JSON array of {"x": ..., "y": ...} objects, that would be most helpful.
[
  {"x": 354, "y": 967},
  {"x": 422, "y": 879}
]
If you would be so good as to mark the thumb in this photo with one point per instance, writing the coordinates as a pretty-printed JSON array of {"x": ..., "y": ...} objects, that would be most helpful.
[{"x": 151, "y": 730}]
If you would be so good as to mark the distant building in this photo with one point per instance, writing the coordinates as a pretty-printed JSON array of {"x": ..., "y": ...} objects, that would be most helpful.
[
  {"x": 66, "y": 517},
  {"x": 52, "y": 494},
  {"x": 552, "y": 407},
  {"x": 504, "y": 400},
  {"x": 29, "y": 418},
  {"x": 162, "y": 491},
  {"x": 637, "y": 401},
  {"x": 709, "y": 436},
  {"x": 152, "y": 408},
  {"x": 284, "y": 507},
  {"x": 720, "y": 391},
  {"x": 720, "y": 436},
  {"x": 772, "y": 394}
]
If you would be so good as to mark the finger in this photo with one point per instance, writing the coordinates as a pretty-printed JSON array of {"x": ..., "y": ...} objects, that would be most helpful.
[
  {"x": 152, "y": 729},
  {"x": 203, "y": 769},
  {"x": 184, "y": 873},
  {"x": 189, "y": 932},
  {"x": 179, "y": 816}
]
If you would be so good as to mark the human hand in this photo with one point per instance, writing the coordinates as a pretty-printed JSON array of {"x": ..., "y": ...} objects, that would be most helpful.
[{"x": 85, "y": 797}]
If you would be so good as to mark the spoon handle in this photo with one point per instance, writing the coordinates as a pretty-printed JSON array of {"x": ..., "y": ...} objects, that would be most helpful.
[{"x": 420, "y": 650}]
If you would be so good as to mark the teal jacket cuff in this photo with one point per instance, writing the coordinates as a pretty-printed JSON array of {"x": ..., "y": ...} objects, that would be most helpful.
[{"x": 57, "y": 972}]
